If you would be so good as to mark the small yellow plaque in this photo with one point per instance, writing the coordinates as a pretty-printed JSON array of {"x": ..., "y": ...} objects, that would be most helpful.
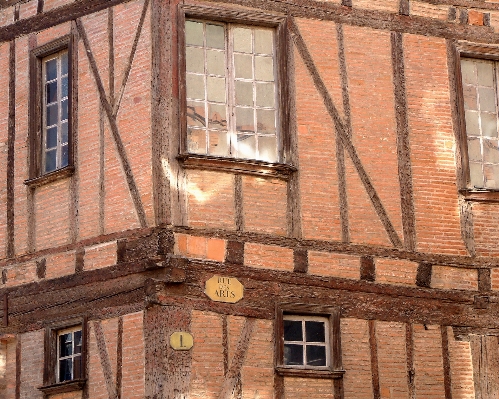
[
  {"x": 224, "y": 289},
  {"x": 181, "y": 341}
]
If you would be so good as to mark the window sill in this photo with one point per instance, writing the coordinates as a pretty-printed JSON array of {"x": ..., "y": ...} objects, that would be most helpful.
[
  {"x": 489, "y": 195},
  {"x": 309, "y": 373},
  {"x": 244, "y": 166},
  {"x": 50, "y": 177},
  {"x": 63, "y": 387}
]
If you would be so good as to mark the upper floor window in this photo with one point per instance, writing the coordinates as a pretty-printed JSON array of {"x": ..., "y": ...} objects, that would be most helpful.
[
  {"x": 69, "y": 354},
  {"x": 231, "y": 90},
  {"x": 55, "y": 140},
  {"x": 480, "y": 97}
]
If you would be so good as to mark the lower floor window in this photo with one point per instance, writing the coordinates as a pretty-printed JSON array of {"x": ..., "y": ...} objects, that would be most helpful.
[
  {"x": 69, "y": 358},
  {"x": 306, "y": 341}
]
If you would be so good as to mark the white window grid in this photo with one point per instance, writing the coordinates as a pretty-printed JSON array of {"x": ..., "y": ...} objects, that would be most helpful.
[
  {"x": 233, "y": 144},
  {"x": 305, "y": 343},
  {"x": 62, "y": 156},
  {"x": 74, "y": 357}
]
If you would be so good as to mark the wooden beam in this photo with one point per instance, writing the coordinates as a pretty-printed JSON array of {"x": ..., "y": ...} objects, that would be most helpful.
[{"x": 105, "y": 361}]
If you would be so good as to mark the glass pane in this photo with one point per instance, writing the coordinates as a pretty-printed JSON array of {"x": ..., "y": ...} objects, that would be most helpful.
[
  {"x": 78, "y": 341},
  {"x": 194, "y": 59},
  {"x": 194, "y": 33},
  {"x": 50, "y": 160},
  {"x": 476, "y": 175},
  {"x": 218, "y": 144},
  {"x": 472, "y": 128},
  {"x": 243, "y": 64},
  {"x": 51, "y": 69},
  {"x": 474, "y": 149},
  {"x": 267, "y": 148},
  {"x": 244, "y": 120},
  {"x": 51, "y": 92},
  {"x": 316, "y": 355},
  {"x": 64, "y": 63},
  {"x": 244, "y": 93},
  {"x": 293, "y": 355},
  {"x": 265, "y": 94},
  {"x": 215, "y": 62},
  {"x": 293, "y": 330},
  {"x": 242, "y": 40},
  {"x": 64, "y": 156},
  {"x": 216, "y": 89},
  {"x": 195, "y": 114},
  {"x": 470, "y": 97},
  {"x": 65, "y": 370},
  {"x": 491, "y": 173},
  {"x": 64, "y": 110},
  {"x": 487, "y": 99},
  {"x": 215, "y": 36},
  {"x": 264, "y": 68},
  {"x": 485, "y": 71},
  {"x": 489, "y": 124},
  {"x": 195, "y": 86},
  {"x": 52, "y": 115},
  {"x": 64, "y": 132},
  {"x": 490, "y": 151},
  {"x": 77, "y": 367},
  {"x": 65, "y": 345},
  {"x": 64, "y": 87},
  {"x": 264, "y": 41},
  {"x": 217, "y": 117},
  {"x": 265, "y": 121},
  {"x": 468, "y": 71},
  {"x": 51, "y": 140},
  {"x": 314, "y": 331},
  {"x": 246, "y": 146},
  {"x": 196, "y": 141}
]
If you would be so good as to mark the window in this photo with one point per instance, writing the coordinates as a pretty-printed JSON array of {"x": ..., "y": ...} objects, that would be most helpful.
[
  {"x": 232, "y": 93},
  {"x": 55, "y": 143},
  {"x": 308, "y": 343},
  {"x": 69, "y": 350},
  {"x": 51, "y": 115},
  {"x": 65, "y": 355}
]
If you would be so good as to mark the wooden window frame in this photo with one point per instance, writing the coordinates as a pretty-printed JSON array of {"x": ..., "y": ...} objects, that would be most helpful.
[
  {"x": 36, "y": 175},
  {"x": 481, "y": 52},
  {"x": 334, "y": 370},
  {"x": 50, "y": 381},
  {"x": 280, "y": 169}
]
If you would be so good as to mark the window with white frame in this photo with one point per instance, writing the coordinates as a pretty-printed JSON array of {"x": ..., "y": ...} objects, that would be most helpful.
[
  {"x": 231, "y": 91},
  {"x": 306, "y": 341},
  {"x": 55, "y": 111},
  {"x": 69, "y": 354}
]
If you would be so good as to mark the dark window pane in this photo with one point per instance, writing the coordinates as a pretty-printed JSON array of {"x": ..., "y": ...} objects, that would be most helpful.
[
  {"x": 292, "y": 330},
  {"x": 65, "y": 344},
  {"x": 50, "y": 164},
  {"x": 64, "y": 87},
  {"x": 51, "y": 92},
  {"x": 293, "y": 355},
  {"x": 51, "y": 138},
  {"x": 52, "y": 115},
  {"x": 314, "y": 331},
  {"x": 64, "y": 110},
  {"x": 64, "y": 155},
  {"x": 316, "y": 355},
  {"x": 64, "y": 132},
  {"x": 77, "y": 338},
  {"x": 65, "y": 368},
  {"x": 64, "y": 63},
  {"x": 51, "y": 69}
]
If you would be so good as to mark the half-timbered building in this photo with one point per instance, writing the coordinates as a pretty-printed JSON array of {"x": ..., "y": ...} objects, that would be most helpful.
[{"x": 258, "y": 199}]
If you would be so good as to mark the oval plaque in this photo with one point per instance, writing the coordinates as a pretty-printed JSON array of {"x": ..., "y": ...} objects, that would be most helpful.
[
  {"x": 224, "y": 289},
  {"x": 181, "y": 341}
]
